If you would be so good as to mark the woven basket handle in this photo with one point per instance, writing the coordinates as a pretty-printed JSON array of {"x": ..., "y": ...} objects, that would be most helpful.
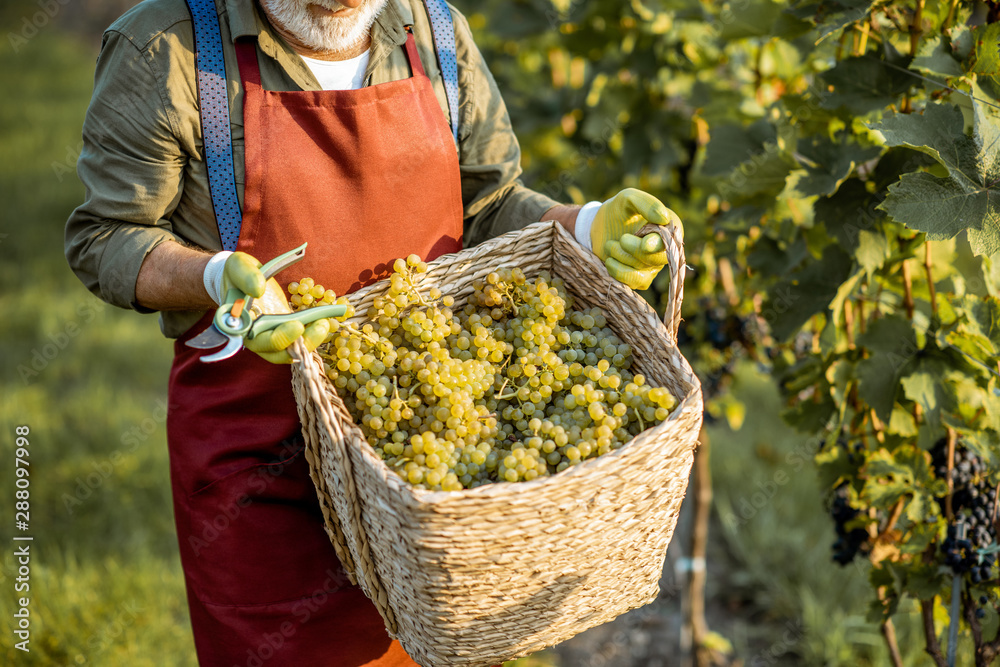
[{"x": 673, "y": 239}]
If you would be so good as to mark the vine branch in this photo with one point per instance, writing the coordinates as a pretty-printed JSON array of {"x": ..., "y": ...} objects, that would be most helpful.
[
  {"x": 933, "y": 647},
  {"x": 889, "y": 632},
  {"x": 930, "y": 277},
  {"x": 907, "y": 290},
  {"x": 952, "y": 436}
]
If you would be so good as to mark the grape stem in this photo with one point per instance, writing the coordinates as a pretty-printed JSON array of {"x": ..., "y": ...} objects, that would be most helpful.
[{"x": 642, "y": 425}]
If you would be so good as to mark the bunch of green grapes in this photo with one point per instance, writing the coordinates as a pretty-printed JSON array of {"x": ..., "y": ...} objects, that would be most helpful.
[
  {"x": 307, "y": 294},
  {"x": 515, "y": 385}
]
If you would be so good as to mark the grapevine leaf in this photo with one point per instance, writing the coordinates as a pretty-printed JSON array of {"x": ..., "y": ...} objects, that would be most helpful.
[
  {"x": 806, "y": 292},
  {"x": 927, "y": 385},
  {"x": 886, "y": 480},
  {"x": 982, "y": 323},
  {"x": 902, "y": 423},
  {"x": 827, "y": 165},
  {"x": 975, "y": 404},
  {"x": 764, "y": 174},
  {"x": 896, "y": 162},
  {"x": 866, "y": 83},
  {"x": 985, "y": 445},
  {"x": 769, "y": 256},
  {"x": 939, "y": 132},
  {"x": 873, "y": 249},
  {"x": 745, "y": 19},
  {"x": 934, "y": 58},
  {"x": 833, "y": 464},
  {"x": 851, "y": 216},
  {"x": 810, "y": 416},
  {"x": 984, "y": 60},
  {"x": 831, "y": 17},
  {"x": 845, "y": 291},
  {"x": 923, "y": 580},
  {"x": 964, "y": 200},
  {"x": 731, "y": 145},
  {"x": 893, "y": 345}
]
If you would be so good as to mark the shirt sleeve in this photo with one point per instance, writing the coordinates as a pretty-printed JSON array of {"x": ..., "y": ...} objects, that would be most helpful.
[
  {"x": 495, "y": 199},
  {"x": 132, "y": 168}
]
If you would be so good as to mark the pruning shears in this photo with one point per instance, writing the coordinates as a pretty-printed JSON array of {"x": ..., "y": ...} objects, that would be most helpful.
[{"x": 235, "y": 319}]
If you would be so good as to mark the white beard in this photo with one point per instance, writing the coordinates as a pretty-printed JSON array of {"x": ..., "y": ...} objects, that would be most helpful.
[{"x": 325, "y": 33}]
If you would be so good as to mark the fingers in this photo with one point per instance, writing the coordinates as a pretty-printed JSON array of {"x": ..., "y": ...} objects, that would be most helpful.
[
  {"x": 649, "y": 208},
  {"x": 637, "y": 279},
  {"x": 276, "y": 339},
  {"x": 272, "y": 345},
  {"x": 242, "y": 271},
  {"x": 648, "y": 250},
  {"x": 316, "y": 333},
  {"x": 630, "y": 252}
]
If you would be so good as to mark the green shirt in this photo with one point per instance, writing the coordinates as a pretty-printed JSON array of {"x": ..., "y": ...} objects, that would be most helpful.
[{"x": 142, "y": 162}]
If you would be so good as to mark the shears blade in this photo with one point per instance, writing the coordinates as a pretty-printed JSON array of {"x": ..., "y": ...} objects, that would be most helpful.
[
  {"x": 208, "y": 339},
  {"x": 234, "y": 345}
]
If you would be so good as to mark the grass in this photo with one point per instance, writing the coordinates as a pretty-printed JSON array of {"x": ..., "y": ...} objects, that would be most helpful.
[{"x": 106, "y": 585}]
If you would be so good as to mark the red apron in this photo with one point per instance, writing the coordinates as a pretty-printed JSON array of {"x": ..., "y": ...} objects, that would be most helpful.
[{"x": 365, "y": 176}]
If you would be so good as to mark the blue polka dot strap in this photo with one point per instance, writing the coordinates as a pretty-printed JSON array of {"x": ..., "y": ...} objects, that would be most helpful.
[
  {"x": 217, "y": 136},
  {"x": 444, "y": 44}
]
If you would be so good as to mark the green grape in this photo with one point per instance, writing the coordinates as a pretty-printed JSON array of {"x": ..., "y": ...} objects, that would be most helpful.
[{"x": 512, "y": 386}]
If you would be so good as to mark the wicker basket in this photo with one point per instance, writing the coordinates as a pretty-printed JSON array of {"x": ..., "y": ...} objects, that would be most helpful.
[{"x": 480, "y": 576}]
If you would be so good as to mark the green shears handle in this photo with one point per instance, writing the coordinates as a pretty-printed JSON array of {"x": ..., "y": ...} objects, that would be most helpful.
[{"x": 307, "y": 316}]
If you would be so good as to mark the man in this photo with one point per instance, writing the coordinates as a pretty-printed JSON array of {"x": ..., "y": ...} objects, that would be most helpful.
[{"x": 339, "y": 139}]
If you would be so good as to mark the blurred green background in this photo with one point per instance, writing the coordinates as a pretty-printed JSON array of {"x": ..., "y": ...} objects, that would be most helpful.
[{"x": 90, "y": 382}]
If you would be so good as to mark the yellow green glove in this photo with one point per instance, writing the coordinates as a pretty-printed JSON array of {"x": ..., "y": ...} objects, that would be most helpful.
[
  {"x": 629, "y": 259},
  {"x": 242, "y": 271}
]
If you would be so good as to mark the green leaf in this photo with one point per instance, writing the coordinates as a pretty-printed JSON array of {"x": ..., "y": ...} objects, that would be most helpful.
[
  {"x": 731, "y": 145},
  {"x": 748, "y": 19},
  {"x": 833, "y": 464},
  {"x": 810, "y": 416},
  {"x": 892, "y": 344},
  {"x": 967, "y": 199},
  {"x": 902, "y": 423},
  {"x": 851, "y": 215},
  {"x": 831, "y": 16},
  {"x": 934, "y": 58},
  {"x": 804, "y": 293},
  {"x": 864, "y": 84},
  {"x": 985, "y": 444},
  {"x": 828, "y": 164},
  {"x": 920, "y": 536},
  {"x": 926, "y": 385},
  {"x": 924, "y": 580},
  {"x": 982, "y": 320},
  {"x": 984, "y": 60}
]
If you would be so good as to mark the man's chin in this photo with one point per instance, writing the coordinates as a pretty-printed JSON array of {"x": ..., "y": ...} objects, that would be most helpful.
[{"x": 321, "y": 12}]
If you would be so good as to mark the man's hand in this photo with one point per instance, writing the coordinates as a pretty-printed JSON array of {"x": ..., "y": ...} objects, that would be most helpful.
[
  {"x": 629, "y": 259},
  {"x": 242, "y": 271}
]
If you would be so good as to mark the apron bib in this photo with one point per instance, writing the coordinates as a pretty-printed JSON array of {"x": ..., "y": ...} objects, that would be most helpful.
[{"x": 365, "y": 176}]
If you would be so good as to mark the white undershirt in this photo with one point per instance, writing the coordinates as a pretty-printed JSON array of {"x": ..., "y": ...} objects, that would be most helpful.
[{"x": 339, "y": 74}]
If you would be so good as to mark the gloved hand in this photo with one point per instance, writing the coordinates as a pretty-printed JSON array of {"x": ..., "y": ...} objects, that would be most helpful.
[
  {"x": 629, "y": 259},
  {"x": 242, "y": 271}
]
